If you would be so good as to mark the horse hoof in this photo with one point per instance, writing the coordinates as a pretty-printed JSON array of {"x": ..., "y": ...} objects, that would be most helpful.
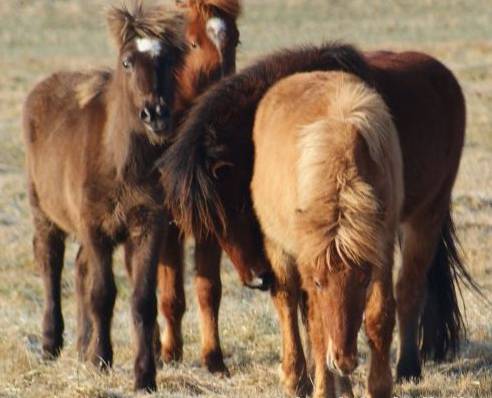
[
  {"x": 170, "y": 355},
  {"x": 52, "y": 349},
  {"x": 214, "y": 363},
  {"x": 49, "y": 355},
  {"x": 82, "y": 355},
  {"x": 262, "y": 282},
  {"x": 102, "y": 362},
  {"x": 146, "y": 384},
  {"x": 379, "y": 393},
  {"x": 159, "y": 363},
  {"x": 343, "y": 387},
  {"x": 294, "y": 385},
  {"x": 408, "y": 371}
]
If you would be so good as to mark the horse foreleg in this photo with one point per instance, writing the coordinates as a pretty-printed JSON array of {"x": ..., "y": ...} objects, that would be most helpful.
[
  {"x": 84, "y": 327},
  {"x": 343, "y": 387},
  {"x": 101, "y": 297},
  {"x": 286, "y": 295},
  {"x": 324, "y": 380},
  {"x": 49, "y": 248},
  {"x": 146, "y": 244},
  {"x": 171, "y": 294},
  {"x": 379, "y": 324},
  {"x": 128, "y": 247},
  {"x": 209, "y": 292}
]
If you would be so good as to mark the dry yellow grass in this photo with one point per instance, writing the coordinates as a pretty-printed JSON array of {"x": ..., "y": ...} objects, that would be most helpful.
[{"x": 39, "y": 36}]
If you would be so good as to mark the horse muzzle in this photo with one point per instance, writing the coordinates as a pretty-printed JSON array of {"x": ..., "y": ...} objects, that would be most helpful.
[
  {"x": 157, "y": 119},
  {"x": 341, "y": 364}
]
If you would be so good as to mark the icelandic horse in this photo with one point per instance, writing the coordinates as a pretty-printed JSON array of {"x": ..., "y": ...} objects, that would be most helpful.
[
  {"x": 328, "y": 202},
  {"x": 212, "y": 36},
  {"x": 207, "y": 174},
  {"x": 90, "y": 164}
]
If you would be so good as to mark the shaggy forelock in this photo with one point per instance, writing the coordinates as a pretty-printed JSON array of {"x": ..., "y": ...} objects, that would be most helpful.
[{"x": 128, "y": 22}]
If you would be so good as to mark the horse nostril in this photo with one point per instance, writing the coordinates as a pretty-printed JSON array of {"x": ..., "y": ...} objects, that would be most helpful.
[{"x": 146, "y": 115}]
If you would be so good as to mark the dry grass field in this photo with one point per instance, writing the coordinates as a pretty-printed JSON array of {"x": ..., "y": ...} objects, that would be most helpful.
[{"x": 40, "y": 36}]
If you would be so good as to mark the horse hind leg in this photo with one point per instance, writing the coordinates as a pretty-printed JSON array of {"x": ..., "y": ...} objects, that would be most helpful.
[
  {"x": 209, "y": 293},
  {"x": 172, "y": 302},
  {"x": 419, "y": 245},
  {"x": 442, "y": 323},
  {"x": 427, "y": 304},
  {"x": 49, "y": 249}
]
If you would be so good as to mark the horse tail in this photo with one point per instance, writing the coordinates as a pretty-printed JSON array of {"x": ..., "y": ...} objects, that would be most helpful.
[
  {"x": 442, "y": 323},
  {"x": 341, "y": 216}
]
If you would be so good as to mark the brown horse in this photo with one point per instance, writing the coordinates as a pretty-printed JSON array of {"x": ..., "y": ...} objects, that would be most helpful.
[
  {"x": 207, "y": 174},
  {"x": 211, "y": 32},
  {"x": 328, "y": 202},
  {"x": 90, "y": 174}
]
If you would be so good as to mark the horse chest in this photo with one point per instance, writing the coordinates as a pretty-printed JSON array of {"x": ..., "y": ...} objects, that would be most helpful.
[
  {"x": 108, "y": 206},
  {"x": 129, "y": 210}
]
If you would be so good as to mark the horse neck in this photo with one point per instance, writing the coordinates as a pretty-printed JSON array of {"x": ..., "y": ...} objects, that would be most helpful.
[
  {"x": 191, "y": 82},
  {"x": 126, "y": 149}
]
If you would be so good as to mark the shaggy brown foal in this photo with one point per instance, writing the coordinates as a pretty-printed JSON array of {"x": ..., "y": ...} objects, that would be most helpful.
[
  {"x": 90, "y": 174},
  {"x": 328, "y": 201}
]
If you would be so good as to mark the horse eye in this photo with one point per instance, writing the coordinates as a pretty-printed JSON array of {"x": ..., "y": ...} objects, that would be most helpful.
[
  {"x": 317, "y": 283},
  {"x": 194, "y": 44},
  {"x": 126, "y": 64}
]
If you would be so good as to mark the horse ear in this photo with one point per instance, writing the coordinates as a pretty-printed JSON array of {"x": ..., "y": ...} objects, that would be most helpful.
[{"x": 218, "y": 166}]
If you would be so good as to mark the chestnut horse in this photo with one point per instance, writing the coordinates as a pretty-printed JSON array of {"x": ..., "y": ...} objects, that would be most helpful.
[
  {"x": 207, "y": 174},
  {"x": 212, "y": 35},
  {"x": 328, "y": 202},
  {"x": 90, "y": 174}
]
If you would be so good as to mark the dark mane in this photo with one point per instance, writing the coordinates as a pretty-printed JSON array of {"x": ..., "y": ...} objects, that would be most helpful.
[{"x": 219, "y": 128}]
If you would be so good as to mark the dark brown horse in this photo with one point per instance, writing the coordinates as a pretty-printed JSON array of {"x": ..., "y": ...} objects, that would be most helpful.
[
  {"x": 91, "y": 142},
  {"x": 207, "y": 175}
]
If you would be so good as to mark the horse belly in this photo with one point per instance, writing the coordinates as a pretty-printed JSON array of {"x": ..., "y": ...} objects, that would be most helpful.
[
  {"x": 57, "y": 193},
  {"x": 428, "y": 109}
]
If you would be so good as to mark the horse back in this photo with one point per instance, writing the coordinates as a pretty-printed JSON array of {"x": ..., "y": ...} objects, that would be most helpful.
[
  {"x": 429, "y": 112},
  {"x": 308, "y": 138},
  {"x": 59, "y": 133}
]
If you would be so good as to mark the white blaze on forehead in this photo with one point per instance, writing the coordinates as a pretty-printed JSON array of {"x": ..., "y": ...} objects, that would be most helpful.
[
  {"x": 151, "y": 46},
  {"x": 216, "y": 30}
]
